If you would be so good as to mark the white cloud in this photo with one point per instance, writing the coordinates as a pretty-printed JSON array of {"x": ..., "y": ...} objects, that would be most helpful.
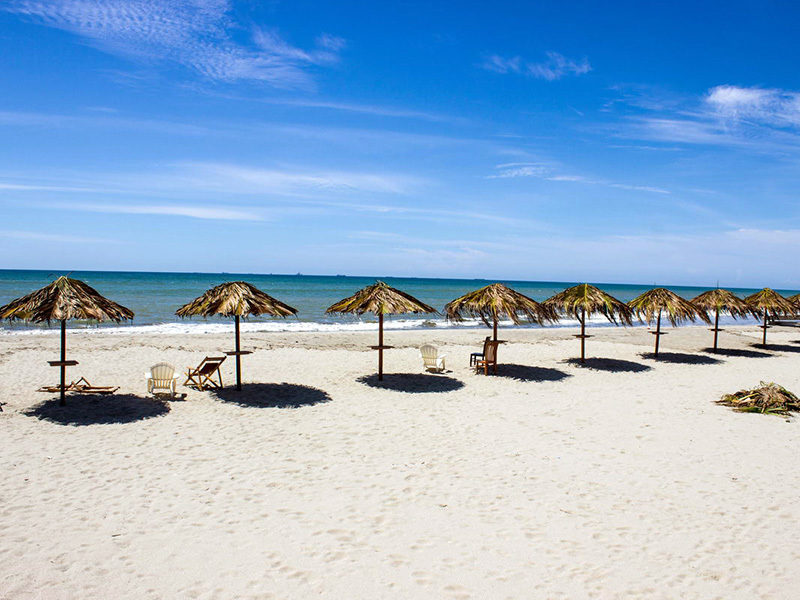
[
  {"x": 555, "y": 67},
  {"x": 191, "y": 33},
  {"x": 548, "y": 173},
  {"x": 749, "y": 118},
  {"x": 38, "y": 236},
  {"x": 778, "y": 108},
  {"x": 175, "y": 210}
]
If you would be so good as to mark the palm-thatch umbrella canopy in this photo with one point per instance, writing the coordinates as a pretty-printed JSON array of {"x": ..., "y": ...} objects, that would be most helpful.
[
  {"x": 769, "y": 303},
  {"x": 720, "y": 300},
  {"x": 235, "y": 299},
  {"x": 380, "y": 299},
  {"x": 795, "y": 300},
  {"x": 653, "y": 303},
  {"x": 62, "y": 300},
  {"x": 585, "y": 300},
  {"x": 494, "y": 301}
]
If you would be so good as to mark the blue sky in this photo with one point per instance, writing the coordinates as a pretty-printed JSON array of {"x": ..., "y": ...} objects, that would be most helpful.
[{"x": 611, "y": 142}]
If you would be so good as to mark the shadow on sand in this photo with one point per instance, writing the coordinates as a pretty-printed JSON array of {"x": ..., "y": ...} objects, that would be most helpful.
[
  {"x": 612, "y": 365},
  {"x": 99, "y": 410},
  {"x": 681, "y": 358},
  {"x": 737, "y": 352},
  {"x": 777, "y": 347},
  {"x": 273, "y": 395},
  {"x": 527, "y": 373},
  {"x": 413, "y": 382}
]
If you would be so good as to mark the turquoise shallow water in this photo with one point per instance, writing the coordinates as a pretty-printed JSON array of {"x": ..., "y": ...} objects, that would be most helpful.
[{"x": 154, "y": 297}]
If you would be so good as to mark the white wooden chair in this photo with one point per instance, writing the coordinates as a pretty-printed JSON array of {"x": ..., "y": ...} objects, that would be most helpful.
[
  {"x": 431, "y": 359},
  {"x": 161, "y": 379}
]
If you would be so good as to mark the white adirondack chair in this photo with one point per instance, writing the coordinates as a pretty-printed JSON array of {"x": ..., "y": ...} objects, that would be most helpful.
[
  {"x": 161, "y": 379},
  {"x": 431, "y": 359}
]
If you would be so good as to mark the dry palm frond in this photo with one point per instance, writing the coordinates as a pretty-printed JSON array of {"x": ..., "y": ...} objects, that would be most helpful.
[
  {"x": 678, "y": 310},
  {"x": 380, "y": 299},
  {"x": 235, "y": 299},
  {"x": 62, "y": 300},
  {"x": 771, "y": 303},
  {"x": 795, "y": 300},
  {"x": 723, "y": 301},
  {"x": 768, "y": 398},
  {"x": 587, "y": 299},
  {"x": 495, "y": 301}
]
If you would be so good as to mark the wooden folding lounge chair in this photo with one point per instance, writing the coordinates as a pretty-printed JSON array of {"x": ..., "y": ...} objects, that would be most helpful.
[
  {"x": 202, "y": 376},
  {"x": 489, "y": 358},
  {"x": 82, "y": 386}
]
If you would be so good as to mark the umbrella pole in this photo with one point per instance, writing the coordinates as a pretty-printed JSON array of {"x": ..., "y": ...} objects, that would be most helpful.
[
  {"x": 583, "y": 334},
  {"x": 238, "y": 356},
  {"x": 764, "y": 341},
  {"x": 716, "y": 329},
  {"x": 380, "y": 347},
  {"x": 658, "y": 332},
  {"x": 495, "y": 328},
  {"x": 63, "y": 399}
]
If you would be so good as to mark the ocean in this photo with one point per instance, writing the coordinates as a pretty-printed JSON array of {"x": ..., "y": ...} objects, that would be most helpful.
[{"x": 154, "y": 298}]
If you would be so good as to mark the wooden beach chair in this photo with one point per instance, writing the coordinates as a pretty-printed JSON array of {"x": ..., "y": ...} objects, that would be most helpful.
[
  {"x": 81, "y": 386},
  {"x": 431, "y": 359},
  {"x": 202, "y": 376},
  {"x": 489, "y": 358},
  {"x": 475, "y": 356},
  {"x": 161, "y": 379}
]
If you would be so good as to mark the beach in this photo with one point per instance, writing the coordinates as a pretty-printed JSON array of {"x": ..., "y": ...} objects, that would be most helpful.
[{"x": 618, "y": 479}]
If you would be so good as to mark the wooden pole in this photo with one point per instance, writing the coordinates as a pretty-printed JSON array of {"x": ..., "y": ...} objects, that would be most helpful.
[
  {"x": 583, "y": 334},
  {"x": 63, "y": 399},
  {"x": 380, "y": 347},
  {"x": 495, "y": 328},
  {"x": 716, "y": 329},
  {"x": 764, "y": 341},
  {"x": 658, "y": 331},
  {"x": 238, "y": 357}
]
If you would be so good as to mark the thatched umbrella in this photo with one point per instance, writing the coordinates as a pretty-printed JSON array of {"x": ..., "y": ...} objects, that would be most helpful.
[
  {"x": 494, "y": 301},
  {"x": 719, "y": 300},
  {"x": 380, "y": 299},
  {"x": 796, "y": 301},
  {"x": 62, "y": 300},
  {"x": 585, "y": 300},
  {"x": 653, "y": 303},
  {"x": 235, "y": 299},
  {"x": 771, "y": 304}
]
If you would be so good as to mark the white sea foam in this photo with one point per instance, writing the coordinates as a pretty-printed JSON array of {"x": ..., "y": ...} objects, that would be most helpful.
[{"x": 295, "y": 326}]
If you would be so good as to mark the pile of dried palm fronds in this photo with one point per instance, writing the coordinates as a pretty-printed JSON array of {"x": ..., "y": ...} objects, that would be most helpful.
[
  {"x": 650, "y": 305},
  {"x": 769, "y": 398},
  {"x": 495, "y": 301},
  {"x": 62, "y": 300},
  {"x": 237, "y": 298},
  {"x": 380, "y": 299},
  {"x": 585, "y": 299}
]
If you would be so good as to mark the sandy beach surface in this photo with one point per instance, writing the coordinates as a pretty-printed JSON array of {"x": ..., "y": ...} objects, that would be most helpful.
[{"x": 619, "y": 479}]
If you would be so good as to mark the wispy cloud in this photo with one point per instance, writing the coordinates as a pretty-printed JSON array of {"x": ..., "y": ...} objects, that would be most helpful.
[
  {"x": 549, "y": 173},
  {"x": 194, "y": 34},
  {"x": 554, "y": 67},
  {"x": 173, "y": 210},
  {"x": 748, "y": 118},
  {"x": 38, "y": 236}
]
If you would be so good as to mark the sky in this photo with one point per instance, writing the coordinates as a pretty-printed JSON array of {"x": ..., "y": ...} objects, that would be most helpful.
[{"x": 625, "y": 142}]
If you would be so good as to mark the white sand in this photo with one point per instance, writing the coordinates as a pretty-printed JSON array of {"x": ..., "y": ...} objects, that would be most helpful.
[{"x": 566, "y": 482}]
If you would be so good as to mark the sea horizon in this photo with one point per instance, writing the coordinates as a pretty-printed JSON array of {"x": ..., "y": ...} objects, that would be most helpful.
[{"x": 154, "y": 296}]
